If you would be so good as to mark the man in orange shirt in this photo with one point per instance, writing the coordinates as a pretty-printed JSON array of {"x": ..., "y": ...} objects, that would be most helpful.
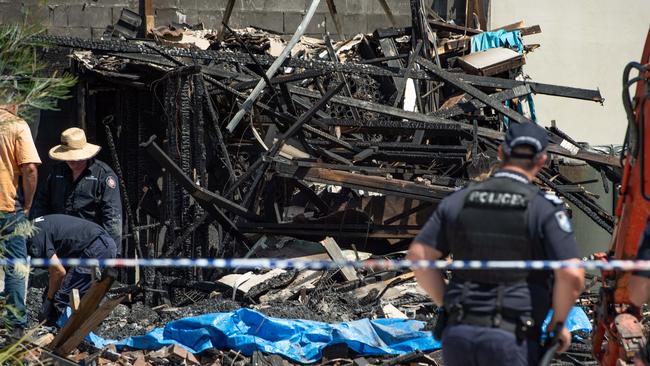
[{"x": 18, "y": 157}]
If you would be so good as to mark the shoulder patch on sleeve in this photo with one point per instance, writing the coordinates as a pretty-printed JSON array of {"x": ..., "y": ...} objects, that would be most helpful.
[
  {"x": 553, "y": 198},
  {"x": 563, "y": 221},
  {"x": 110, "y": 182}
]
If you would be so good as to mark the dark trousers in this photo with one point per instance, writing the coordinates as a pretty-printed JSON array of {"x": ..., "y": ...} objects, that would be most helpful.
[
  {"x": 14, "y": 247},
  {"x": 80, "y": 278},
  {"x": 470, "y": 345}
]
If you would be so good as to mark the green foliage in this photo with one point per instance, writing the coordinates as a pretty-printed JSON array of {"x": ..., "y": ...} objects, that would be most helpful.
[
  {"x": 23, "y": 81},
  {"x": 13, "y": 353},
  {"x": 24, "y": 228}
]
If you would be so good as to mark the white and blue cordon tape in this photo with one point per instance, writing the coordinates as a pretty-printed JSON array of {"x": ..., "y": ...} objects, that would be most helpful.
[{"x": 269, "y": 263}]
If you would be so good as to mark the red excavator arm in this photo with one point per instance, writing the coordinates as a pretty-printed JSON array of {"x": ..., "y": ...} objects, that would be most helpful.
[{"x": 618, "y": 333}]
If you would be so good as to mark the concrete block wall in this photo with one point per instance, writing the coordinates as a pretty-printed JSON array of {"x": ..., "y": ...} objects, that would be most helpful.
[{"x": 89, "y": 18}]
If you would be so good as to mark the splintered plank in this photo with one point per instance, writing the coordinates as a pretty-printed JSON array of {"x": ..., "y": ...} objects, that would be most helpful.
[
  {"x": 381, "y": 286},
  {"x": 87, "y": 307},
  {"x": 74, "y": 299},
  {"x": 88, "y": 325},
  {"x": 336, "y": 254},
  {"x": 391, "y": 312},
  {"x": 225, "y": 20}
]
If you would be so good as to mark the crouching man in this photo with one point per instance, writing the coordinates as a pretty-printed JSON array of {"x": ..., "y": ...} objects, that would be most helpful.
[{"x": 63, "y": 236}]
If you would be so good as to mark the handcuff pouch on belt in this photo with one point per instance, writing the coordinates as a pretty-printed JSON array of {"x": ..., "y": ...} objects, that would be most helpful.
[{"x": 524, "y": 325}]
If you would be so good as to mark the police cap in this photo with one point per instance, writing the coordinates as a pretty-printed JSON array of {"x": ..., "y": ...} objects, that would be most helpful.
[{"x": 528, "y": 134}]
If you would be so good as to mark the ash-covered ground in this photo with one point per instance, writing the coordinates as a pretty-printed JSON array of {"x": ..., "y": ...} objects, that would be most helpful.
[{"x": 128, "y": 320}]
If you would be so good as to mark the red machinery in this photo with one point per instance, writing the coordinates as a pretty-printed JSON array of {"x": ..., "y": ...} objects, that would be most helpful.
[{"x": 618, "y": 333}]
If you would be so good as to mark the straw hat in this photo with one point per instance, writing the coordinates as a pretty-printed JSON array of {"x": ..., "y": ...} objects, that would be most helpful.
[{"x": 74, "y": 146}]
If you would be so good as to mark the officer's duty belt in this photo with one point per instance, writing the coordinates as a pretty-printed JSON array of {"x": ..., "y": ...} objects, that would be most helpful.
[{"x": 483, "y": 320}]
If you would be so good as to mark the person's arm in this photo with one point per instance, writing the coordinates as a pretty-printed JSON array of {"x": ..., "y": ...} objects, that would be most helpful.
[
  {"x": 111, "y": 209},
  {"x": 430, "y": 280},
  {"x": 30, "y": 178},
  {"x": 560, "y": 244},
  {"x": 569, "y": 284},
  {"x": 57, "y": 273},
  {"x": 28, "y": 160}
]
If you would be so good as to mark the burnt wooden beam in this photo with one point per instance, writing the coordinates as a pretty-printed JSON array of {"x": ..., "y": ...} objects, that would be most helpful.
[
  {"x": 311, "y": 195},
  {"x": 527, "y": 31},
  {"x": 334, "y": 58},
  {"x": 308, "y": 74},
  {"x": 202, "y": 195},
  {"x": 538, "y": 88},
  {"x": 331, "y": 138},
  {"x": 338, "y": 23},
  {"x": 321, "y": 230},
  {"x": 586, "y": 205},
  {"x": 391, "y": 32},
  {"x": 389, "y": 49},
  {"x": 454, "y": 80},
  {"x": 461, "y": 127},
  {"x": 400, "y": 146},
  {"x": 226, "y": 19},
  {"x": 304, "y": 119},
  {"x": 388, "y": 11},
  {"x": 401, "y": 87},
  {"x": 474, "y": 104},
  {"x": 393, "y": 124},
  {"x": 209, "y": 201},
  {"x": 393, "y": 187},
  {"x": 406, "y": 213},
  {"x": 453, "y": 28},
  {"x": 395, "y": 112}
]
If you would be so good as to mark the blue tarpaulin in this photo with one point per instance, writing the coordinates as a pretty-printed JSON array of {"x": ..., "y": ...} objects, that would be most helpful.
[
  {"x": 577, "y": 320},
  {"x": 246, "y": 331}
]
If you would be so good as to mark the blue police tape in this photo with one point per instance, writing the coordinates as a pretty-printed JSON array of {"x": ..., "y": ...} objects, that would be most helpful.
[{"x": 259, "y": 263}]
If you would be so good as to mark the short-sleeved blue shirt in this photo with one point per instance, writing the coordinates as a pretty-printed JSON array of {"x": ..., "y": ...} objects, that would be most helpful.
[
  {"x": 548, "y": 224},
  {"x": 64, "y": 235}
]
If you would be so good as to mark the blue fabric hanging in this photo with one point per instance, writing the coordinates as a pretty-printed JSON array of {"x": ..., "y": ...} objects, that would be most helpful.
[
  {"x": 500, "y": 38},
  {"x": 503, "y": 38}
]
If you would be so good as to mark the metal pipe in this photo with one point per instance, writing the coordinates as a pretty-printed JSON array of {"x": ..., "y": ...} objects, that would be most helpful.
[{"x": 248, "y": 103}]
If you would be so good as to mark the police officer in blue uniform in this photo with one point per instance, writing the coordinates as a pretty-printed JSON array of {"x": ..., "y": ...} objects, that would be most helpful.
[
  {"x": 63, "y": 236},
  {"x": 494, "y": 317},
  {"x": 81, "y": 186}
]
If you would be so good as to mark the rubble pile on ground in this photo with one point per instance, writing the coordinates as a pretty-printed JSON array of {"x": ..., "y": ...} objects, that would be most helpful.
[{"x": 344, "y": 156}]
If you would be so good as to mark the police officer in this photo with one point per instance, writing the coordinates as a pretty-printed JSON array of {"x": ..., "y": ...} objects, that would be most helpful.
[
  {"x": 494, "y": 317},
  {"x": 81, "y": 185},
  {"x": 63, "y": 236}
]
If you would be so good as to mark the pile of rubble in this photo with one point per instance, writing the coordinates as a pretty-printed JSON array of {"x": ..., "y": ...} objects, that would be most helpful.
[{"x": 343, "y": 154}]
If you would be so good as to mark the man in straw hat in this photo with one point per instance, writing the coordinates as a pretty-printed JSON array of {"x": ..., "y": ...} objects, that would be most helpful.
[
  {"x": 18, "y": 158},
  {"x": 81, "y": 185}
]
